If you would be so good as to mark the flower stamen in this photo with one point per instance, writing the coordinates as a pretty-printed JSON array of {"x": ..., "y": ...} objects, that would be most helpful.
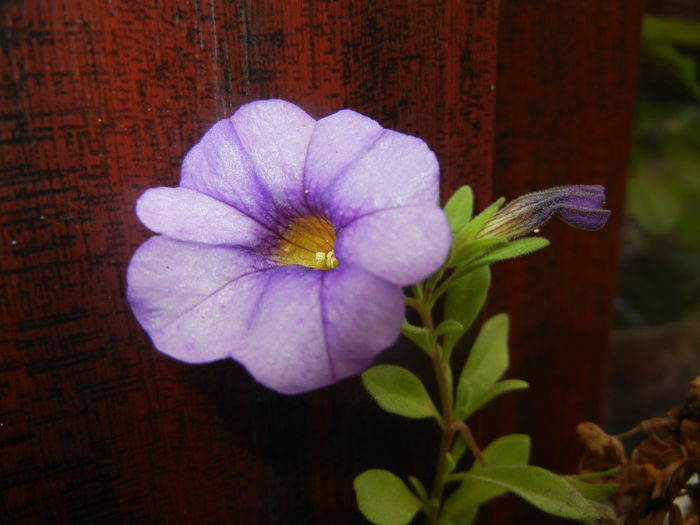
[{"x": 307, "y": 241}]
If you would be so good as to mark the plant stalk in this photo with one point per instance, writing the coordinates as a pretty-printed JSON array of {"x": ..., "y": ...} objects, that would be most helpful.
[{"x": 448, "y": 427}]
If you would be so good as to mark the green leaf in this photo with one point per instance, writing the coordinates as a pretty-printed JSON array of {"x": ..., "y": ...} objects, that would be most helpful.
[
  {"x": 591, "y": 490},
  {"x": 601, "y": 474},
  {"x": 594, "y": 490},
  {"x": 466, "y": 518},
  {"x": 514, "y": 248},
  {"x": 685, "y": 33},
  {"x": 418, "y": 334},
  {"x": 398, "y": 391},
  {"x": 487, "y": 361},
  {"x": 683, "y": 67},
  {"x": 449, "y": 327},
  {"x": 545, "y": 490},
  {"x": 418, "y": 487},
  {"x": 473, "y": 249},
  {"x": 462, "y": 505},
  {"x": 458, "y": 449},
  {"x": 459, "y": 208},
  {"x": 473, "y": 402},
  {"x": 451, "y": 463},
  {"x": 468, "y": 233},
  {"x": 509, "y": 251},
  {"x": 513, "y": 449},
  {"x": 384, "y": 499},
  {"x": 464, "y": 300}
]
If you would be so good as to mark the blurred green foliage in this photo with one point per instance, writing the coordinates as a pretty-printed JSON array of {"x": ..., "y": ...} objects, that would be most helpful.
[
  {"x": 664, "y": 187},
  {"x": 660, "y": 260},
  {"x": 662, "y": 42}
]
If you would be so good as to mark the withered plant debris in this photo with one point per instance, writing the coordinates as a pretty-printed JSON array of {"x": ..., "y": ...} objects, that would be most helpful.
[{"x": 656, "y": 473}]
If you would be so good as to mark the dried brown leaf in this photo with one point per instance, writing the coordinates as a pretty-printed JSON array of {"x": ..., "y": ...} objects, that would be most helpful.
[
  {"x": 602, "y": 450},
  {"x": 690, "y": 436},
  {"x": 694, "y": 387}
]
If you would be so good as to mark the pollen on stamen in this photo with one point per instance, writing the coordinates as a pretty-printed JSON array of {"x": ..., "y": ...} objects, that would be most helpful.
[{"x": 307, "y": 241}]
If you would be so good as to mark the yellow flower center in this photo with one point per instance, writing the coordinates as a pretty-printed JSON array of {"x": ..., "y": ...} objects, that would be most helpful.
[{"x": 308, "y": 242}]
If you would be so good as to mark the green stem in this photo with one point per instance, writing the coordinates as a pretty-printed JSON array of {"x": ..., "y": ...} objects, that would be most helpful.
[
  {"x": 471, "y": 442},
  {"x": 444, "y": 382}
]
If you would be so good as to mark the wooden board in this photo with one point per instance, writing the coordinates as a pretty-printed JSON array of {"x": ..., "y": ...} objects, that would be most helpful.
[{"x": 100, "y": 100}]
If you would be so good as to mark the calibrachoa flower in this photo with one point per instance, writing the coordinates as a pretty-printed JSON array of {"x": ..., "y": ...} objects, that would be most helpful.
[
  {"x": 286, "y": 244},
  {"x": 579, "y": 206}
]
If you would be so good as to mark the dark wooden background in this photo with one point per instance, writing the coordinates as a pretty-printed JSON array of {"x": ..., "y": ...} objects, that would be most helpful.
[{"x": 101, "y": 99}]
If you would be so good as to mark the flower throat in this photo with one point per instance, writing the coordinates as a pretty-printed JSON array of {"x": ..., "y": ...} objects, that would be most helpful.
[{"x": 307, "y": 241}]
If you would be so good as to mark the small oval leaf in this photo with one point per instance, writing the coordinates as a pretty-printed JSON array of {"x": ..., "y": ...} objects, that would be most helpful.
[
  {"x": 418, "y": 334},
  {"x": 468, "y": 233},
  {"x": 545, "y": 490},
  {"x": 462, "y": 505},
  {"x": 418, "y": 487},
  {"x": 384, "y": 499},
  {"x": 514, "y": 249},
  {"x": 471, "y": 403},
  {"x": 459, "y": 208},
  {"x": 591, "y": 490},
  {"x": 399, "y": 391},
  {"x": 509, "y": 251},
  {"x": 487, "y": 361},
  {"x": 450, "y": 326},
  {"x": 464, "y": 300}
]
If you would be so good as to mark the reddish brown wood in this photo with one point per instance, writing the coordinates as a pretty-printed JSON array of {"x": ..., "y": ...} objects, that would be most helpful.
[
  {"x": 565, "y": 93},
  {"x": 100, "y": 100}
]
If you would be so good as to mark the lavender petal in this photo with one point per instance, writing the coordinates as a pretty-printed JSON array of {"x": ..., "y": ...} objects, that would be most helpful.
[
  {"x": 583, "y": 218},
  {"x": 188, "y": 215},
  {"x": 398, "y": 170},
  {"x": 313, "y": 328},
  {"x": 276, "y": 135},
  {"x": 401, "y": 245},
  {"x": 337, "y": 141},
  {"x": 192, "y": 299},
  {"x": 219, "y": 166}
]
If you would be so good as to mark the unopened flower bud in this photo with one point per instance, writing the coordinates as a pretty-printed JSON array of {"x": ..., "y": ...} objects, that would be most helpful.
[{"x": 579, "y": 206}]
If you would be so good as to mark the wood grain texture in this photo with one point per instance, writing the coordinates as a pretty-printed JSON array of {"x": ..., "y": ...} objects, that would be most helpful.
[
  {"x": 565, "y": 94},
  {"x": 100, "y": 100}
]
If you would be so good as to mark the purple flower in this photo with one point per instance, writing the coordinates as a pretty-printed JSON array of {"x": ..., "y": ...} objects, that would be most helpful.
[
  {"x": 286, "y": 245},
  {"x": 579, "y": 206}
]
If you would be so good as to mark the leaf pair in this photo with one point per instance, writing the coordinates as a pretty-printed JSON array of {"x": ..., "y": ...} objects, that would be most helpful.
[
  {"x": 384, "y": 499},
  {"x": 462, "y": 505},
  {"x": 469, "y": 253},
  {"x": 508, "y": 471},
  {"x": 487, "y": 362},
  {"x": 543, "y": 489}
]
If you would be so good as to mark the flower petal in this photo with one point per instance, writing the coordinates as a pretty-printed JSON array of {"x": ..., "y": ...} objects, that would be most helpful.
[
  {"x": 192, "y": 299},
  {"x": 362, "y": 315},
  {"x": 188, "y": 215},
  {"x": 276, "y": 135},
  {"x": 398, "y": 170},
  {"x": 208, "y": 288},
  {"x": 337, "y": 141},
  {"x": 219, "y": 167},
  {"x": 293, "y": 328},
  {"x": 402, "y": 245},
  {"x": 583, "y": 218},
  {"x": 313, "y": 328}
]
